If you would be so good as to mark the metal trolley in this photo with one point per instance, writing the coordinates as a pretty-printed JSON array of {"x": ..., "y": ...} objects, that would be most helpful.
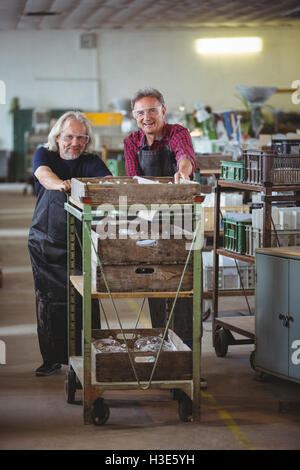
[{"x": 81, "y": 373}]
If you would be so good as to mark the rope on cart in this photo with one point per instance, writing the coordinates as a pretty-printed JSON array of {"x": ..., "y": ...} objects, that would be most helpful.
[
  {"x": 114, "y": 307},
  {"x": 146, "y": 387},
  {"x": 240, "y": 276},
  {"x": 99, "y": 300},
  {"x": 139, "y": 314},
  {"x": 275, "y": 231},
  {"x": 242, "y": 284},
  {"x": 173, "y": 305},
  {"x": 102, "y": 308}
]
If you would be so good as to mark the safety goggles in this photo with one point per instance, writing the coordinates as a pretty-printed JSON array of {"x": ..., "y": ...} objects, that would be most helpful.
[
  {"x": 81, "y": 138},
  {"x": 140, "y": 113}
]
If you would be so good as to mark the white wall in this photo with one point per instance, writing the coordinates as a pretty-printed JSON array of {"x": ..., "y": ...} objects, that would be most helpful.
[
  {"x": 169, "y": 62},
  {"x": 48, "y": 69}
]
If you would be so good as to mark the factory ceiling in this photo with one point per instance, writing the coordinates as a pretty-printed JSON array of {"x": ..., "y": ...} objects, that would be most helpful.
[{"x": 92, "y": 15}]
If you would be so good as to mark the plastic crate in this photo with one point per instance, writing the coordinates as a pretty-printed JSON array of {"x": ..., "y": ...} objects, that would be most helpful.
[
  {"x": 234, "y": 237},
  {"x": 279, "y": 238},
  {"x": 116, "y": 167},
  {"x": 286, "y": 146},
  {"x": 229, "y": 278},
  {"x": 232, "y": 171},
  {"x": 208, "y": 214},
  {"x": 262, "y": 166},
  {"x": 253, "y": 239}
]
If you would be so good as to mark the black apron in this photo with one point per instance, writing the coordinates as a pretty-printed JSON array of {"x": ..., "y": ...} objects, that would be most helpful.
[
  {"x": 163, "y": 163},
  {"x": 47, "y": 246}
]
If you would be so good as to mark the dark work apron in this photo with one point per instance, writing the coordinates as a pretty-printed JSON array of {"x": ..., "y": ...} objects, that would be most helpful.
[
  {"x": 47, "y": 246},
  {"x": 163, "y": 163}
]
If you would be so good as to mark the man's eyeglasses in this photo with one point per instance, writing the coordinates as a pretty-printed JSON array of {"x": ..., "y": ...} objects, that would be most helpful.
[
  {"x": 140, "y": 113},
  {"x": 68, "y": 138}
]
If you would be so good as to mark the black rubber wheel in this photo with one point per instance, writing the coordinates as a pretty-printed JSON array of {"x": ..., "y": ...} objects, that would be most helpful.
[
  {"x": 100, "y": 412},
  {"x": 185, "y": 408},
  {"x": 221, "y": 342},
  {"x": 206, "y": 314},
  {"x": 252, "y": 360},
  {"x": 261, "y": 376},
  {"x": 70, "y": 385}
]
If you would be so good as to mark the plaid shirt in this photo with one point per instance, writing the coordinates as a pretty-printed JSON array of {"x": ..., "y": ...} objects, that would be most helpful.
[{"x": 176, "y": 137}]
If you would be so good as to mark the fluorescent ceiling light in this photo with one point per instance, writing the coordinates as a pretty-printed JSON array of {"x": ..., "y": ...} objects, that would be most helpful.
[{"x": 241, "y": 45}]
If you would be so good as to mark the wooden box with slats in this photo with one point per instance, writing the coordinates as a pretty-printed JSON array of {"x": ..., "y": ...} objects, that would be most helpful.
[
  {"x": 140, "y": 260},
  {"x": 109, "y": 191},
  {"x": 116, "y": 366},
  {"x": 140, "y": 254}
]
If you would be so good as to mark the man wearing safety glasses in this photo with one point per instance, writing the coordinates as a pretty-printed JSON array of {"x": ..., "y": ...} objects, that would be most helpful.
[
  {"x": 161, "y": 149},
  {"x": 67, "y": 154},
  {"x": 157, "y": 148}
]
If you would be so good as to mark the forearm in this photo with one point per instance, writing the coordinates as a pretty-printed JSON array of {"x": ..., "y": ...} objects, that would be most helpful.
[
  {"x": 50, "y": 180},
  {"x": 185, "y": 166},
  {"x": 185, "y": 169}
]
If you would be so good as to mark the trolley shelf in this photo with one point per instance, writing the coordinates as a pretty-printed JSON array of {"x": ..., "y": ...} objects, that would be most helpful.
[
  {"x": 77, "y": 282},
  {"x": 83, "y": 370},
  {"x": 232, "y": 254},
  {"x": 76, "y": 363},
  {"x": 234, "y": 185},
  {"x": 221, "y": 328},
  {"x": 242, "y": 325},
  {"x": 228, "y": 293}
]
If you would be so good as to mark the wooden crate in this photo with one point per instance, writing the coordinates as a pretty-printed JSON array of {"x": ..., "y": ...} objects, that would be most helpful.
[
  {"x": 109, "y": 190},
  {"x": 211, "y": 161},
  {"x": 141, "y": 278},
  {"x": 130, "y": 266},
  {"x": 140, "y": 246},
  {"x": 116, "y": 367}
]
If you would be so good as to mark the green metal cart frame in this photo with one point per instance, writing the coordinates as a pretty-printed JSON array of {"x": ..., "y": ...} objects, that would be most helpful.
[{"x": 80, "y": 374}]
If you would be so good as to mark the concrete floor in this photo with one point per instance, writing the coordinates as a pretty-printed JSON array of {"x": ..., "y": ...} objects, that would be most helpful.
[{"x": 237, "y": 411}]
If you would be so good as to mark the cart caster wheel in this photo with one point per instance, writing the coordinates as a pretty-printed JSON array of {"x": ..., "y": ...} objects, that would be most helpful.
[
  {"x": 70, "y": 386},
  {"x": 252, "y": 360},
  {"x": 261, "y": 377},
  {"x": 185, "y": 408},
  {"x": 221, "y": 343},
  {"x": 206, "y": 314},
  {"x": 100, "y": 412}
]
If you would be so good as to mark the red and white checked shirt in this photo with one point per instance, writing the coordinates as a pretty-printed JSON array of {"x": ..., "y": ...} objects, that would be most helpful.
[{"x": 175, "y": 136}]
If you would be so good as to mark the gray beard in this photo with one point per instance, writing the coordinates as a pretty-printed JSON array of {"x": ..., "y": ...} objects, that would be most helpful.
[{"x": 69, "y": 157}]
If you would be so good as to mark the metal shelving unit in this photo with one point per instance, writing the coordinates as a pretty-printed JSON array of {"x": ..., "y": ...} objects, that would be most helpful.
[
  {"x": 81, "y": 373},
  {"x": 222, "y": 328}
]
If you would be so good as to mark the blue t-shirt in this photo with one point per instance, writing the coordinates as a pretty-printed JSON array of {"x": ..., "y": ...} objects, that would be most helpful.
[{"x": 85, "y": 166}]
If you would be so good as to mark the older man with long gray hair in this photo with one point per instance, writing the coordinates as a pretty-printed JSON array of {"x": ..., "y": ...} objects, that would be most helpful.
[{"x": 67, "y": 154}]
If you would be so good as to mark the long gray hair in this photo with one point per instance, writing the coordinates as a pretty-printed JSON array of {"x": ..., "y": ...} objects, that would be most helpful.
[{"x": 57, "y": 128}]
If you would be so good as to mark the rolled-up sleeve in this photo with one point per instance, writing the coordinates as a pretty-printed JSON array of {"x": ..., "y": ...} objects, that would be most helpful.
[{"x": 181, "y": 144}]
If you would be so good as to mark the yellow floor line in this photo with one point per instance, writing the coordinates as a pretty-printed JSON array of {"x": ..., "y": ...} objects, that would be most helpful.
[
  {"x": 136, "y": 308},
  {"x": 229, "y": 421},
  {"x": 223, "y": 414}
]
